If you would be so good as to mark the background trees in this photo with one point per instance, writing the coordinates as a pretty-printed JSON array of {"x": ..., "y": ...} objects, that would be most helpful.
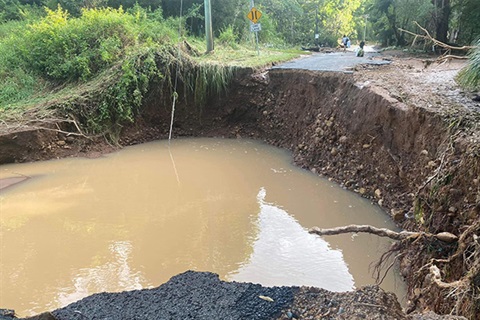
[{"x": 293, "y": 22}]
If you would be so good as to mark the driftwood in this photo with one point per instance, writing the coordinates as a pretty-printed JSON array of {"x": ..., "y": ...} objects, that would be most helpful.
[
  {"x": 438, "y": 43},
  {"x": 382, "y": 232}
]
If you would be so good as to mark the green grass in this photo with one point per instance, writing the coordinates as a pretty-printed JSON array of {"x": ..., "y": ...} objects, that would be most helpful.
[
  {"x": 469, "y": 77},
  {"x": 245, "y": 55}
]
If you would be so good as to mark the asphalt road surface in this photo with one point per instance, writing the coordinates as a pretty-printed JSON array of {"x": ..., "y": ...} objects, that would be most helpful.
[{"x": 335, "y": 61}]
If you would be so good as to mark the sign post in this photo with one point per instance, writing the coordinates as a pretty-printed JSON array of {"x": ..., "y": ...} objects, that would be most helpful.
[{"x": 254, "y": 15}]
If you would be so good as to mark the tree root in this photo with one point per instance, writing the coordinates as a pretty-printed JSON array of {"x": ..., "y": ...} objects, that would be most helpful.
[
  {"x": 46, "y": 124},
  {"x": 463, "y": 290}
]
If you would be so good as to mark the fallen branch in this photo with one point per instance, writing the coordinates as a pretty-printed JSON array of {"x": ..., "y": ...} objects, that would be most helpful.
[
  {"x": 451, "y": 56},
  {"x": 382, "y": 232},
  {"x": 438, "y": 43}
]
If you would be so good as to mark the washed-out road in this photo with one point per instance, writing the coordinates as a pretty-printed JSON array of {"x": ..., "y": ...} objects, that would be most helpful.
[{"x": 335, "y": 61}]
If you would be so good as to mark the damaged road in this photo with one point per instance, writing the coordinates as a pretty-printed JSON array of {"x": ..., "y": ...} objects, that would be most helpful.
[
  {"x": 335, "y": 61},
  {"x": 402, "y": 135}
]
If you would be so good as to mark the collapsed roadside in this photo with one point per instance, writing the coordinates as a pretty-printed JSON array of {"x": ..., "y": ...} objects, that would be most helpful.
[{"x": 420, "y": 164}]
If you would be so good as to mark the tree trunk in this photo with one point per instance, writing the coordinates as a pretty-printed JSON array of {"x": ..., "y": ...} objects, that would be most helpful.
[{"x": 442, "y": 17}]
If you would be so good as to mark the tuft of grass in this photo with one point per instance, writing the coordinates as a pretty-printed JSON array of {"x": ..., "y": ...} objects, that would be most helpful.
[
  {"x": 209, "y": 80},
  {"x": 228, "y": 37},
  {"x": 469, "y": 77}
]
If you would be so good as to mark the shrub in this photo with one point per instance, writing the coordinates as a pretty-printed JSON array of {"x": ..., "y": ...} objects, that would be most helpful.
[
  {"x": 228, "y": 37},
  {"x": 469, "y": 77},
  {"x": 66, "y": 49}
]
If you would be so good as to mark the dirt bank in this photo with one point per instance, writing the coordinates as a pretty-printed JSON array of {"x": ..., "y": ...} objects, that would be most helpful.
[{"x": 395, "y": 134}]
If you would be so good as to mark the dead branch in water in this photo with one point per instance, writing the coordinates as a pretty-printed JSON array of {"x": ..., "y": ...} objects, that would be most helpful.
[{"x": 382, "y": 232}]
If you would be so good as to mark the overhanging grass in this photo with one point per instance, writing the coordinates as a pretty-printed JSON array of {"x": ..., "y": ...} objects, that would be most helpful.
[{"x": 469, "y": 77}]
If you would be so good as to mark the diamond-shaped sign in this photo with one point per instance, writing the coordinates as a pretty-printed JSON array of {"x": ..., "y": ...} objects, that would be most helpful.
[{"x": 254, "y": 15}]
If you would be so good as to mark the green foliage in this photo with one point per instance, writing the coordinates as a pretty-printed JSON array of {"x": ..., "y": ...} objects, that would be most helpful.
[
  {"x": 287, "y": 17},
  {"x": 121, "y": 101},
  {"x": 66, "y": 49},
  {"x": 9, "y": 10},
  {"x": 17, "y": 84},
  {"x": 269, "y": 34},
  {"x": 151, "y": 28},
  {"x": 228, "y": 37},
  {"x": 387, "y": 16},
  {"x": 469, "y": 77},
  {"x": 466, "y": 20},
  {"x": 337, "y": 16},
  {"x": 58, "y": 49}
]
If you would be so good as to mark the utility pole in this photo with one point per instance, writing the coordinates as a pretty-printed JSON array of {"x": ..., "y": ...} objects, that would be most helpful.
[
  {"x": 316, "y": 28},
  {"x": 208, "y": 25},
  {"x": 365, "y": 30}
]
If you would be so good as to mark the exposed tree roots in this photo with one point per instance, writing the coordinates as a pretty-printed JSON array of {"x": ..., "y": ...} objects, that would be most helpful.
[{"x": 439, "y": 272}]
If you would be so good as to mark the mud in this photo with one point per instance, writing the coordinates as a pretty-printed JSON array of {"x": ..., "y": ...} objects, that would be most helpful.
[{"x": 368, "y": 131}]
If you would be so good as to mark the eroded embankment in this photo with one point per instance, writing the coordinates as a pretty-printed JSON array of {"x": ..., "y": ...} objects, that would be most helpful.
[
  {"x": 418, "y": 166},
  {"x": 421, "y": 167}
]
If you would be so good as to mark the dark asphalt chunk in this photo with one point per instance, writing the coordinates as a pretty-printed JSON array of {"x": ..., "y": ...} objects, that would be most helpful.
[{"x": 190, "y": 295}]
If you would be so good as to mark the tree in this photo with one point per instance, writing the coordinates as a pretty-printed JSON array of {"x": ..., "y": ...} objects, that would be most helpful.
[
  {"x": 441, "y": 19},
  {"x": 388, "y": 16},
  {"x": 465, "y": 22},
  {"x": 286, "y": 15}
]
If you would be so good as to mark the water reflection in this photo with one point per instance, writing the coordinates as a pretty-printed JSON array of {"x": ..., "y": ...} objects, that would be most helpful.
[
  {"x": 113, "y": 274},
  {"x": 284, "y": 253}
]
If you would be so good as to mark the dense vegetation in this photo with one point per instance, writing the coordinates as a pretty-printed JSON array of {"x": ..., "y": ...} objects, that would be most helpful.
[{"x": 294, "y": 21}]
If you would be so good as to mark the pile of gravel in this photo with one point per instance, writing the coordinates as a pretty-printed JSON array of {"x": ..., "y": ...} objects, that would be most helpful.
[
  {"x": 190, "y": 295},
  {"x": 201, "y": 295}
]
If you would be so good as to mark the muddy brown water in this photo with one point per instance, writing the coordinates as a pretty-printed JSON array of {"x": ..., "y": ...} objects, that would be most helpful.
[{"x": 135, "y": 218}]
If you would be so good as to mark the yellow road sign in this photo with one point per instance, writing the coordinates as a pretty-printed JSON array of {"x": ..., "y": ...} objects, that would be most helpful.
[{"x": 254, "y": 15}]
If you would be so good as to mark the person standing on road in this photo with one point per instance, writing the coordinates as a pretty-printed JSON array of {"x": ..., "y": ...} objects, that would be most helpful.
[{"x": 345, "y": 40}]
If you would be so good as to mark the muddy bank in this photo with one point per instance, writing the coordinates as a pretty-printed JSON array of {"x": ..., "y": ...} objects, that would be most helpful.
[{"x": 421, "y": 166}]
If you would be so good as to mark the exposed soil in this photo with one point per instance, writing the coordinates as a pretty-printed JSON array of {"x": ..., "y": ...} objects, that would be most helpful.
[{"x": 402, "y": 135}]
